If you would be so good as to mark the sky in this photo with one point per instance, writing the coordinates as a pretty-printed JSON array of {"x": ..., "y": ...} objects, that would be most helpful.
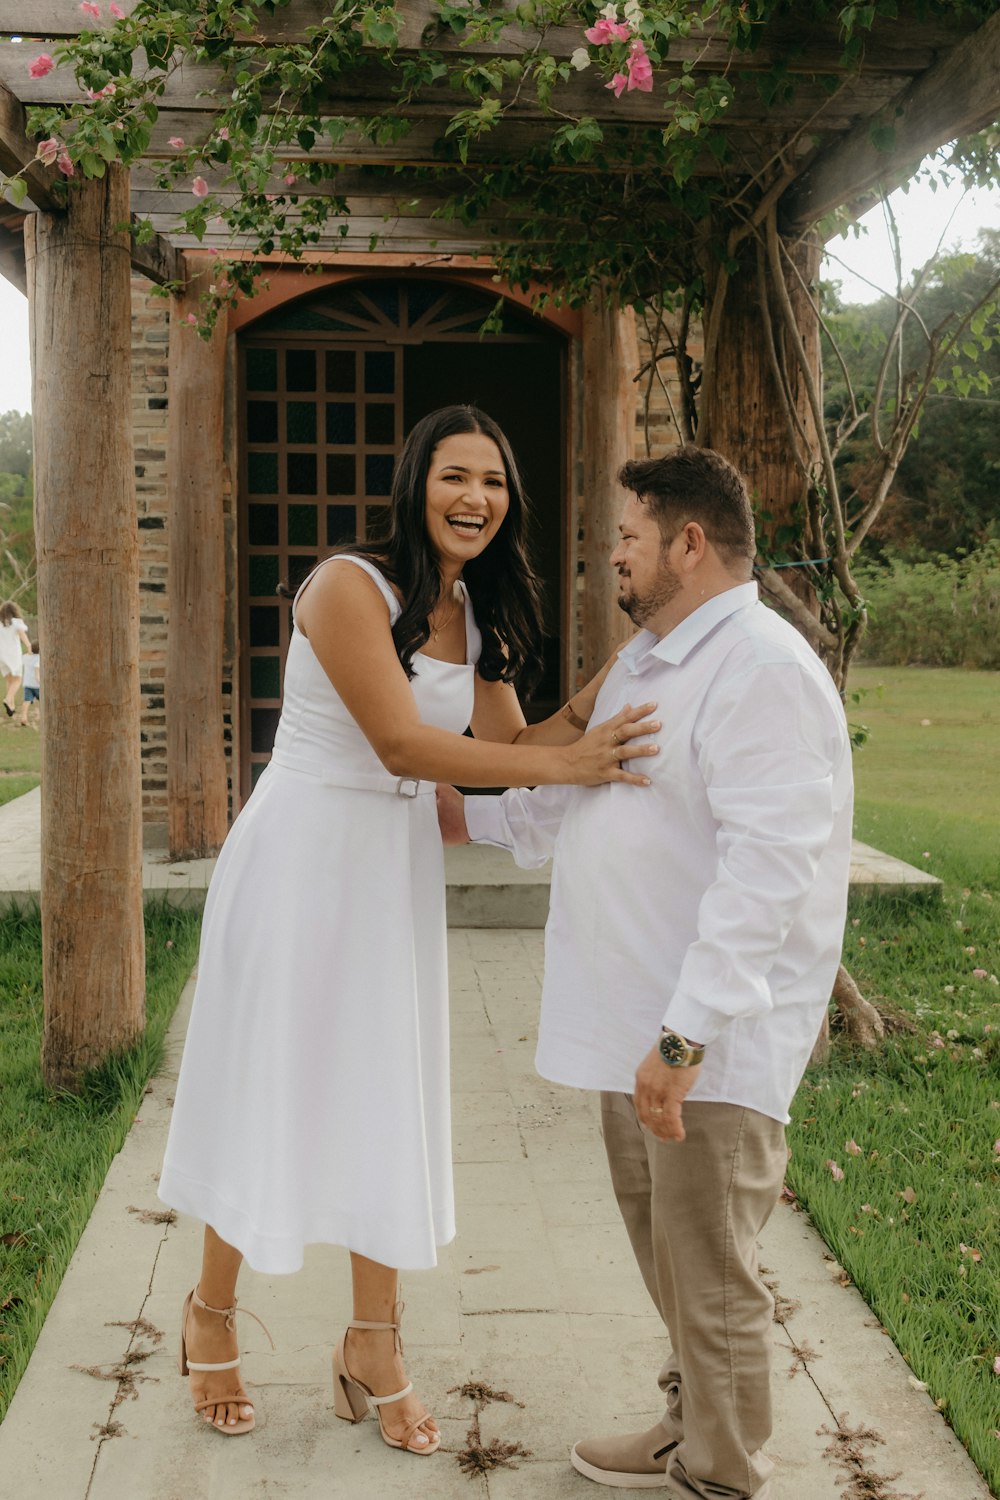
[{"x": 863, "y": 266}]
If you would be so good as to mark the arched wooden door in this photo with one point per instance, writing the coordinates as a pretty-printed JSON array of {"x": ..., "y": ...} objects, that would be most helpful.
[{"x": 328, "y": 388}]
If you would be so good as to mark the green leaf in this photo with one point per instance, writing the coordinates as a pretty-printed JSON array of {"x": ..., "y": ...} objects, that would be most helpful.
[{"x": 16, "y": 190}]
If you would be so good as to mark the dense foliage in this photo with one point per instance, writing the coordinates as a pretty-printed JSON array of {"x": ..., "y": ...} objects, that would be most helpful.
[
  {"x": 944, "y": 496},
  {"x": 936, "y": 611}
]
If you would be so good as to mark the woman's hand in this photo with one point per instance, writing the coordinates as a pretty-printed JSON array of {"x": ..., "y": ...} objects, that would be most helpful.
[
  {"x": 599, "y": 755},
  {"x": 451, "y": 815}
]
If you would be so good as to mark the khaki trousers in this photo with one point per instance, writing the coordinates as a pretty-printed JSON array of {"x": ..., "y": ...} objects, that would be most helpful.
[{"x": 693, "y": 1210}]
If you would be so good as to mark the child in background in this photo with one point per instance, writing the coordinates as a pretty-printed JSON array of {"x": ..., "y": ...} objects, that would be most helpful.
[{"x": 31, "y": 669}]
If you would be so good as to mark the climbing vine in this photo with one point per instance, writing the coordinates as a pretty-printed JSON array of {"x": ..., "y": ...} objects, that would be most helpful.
[
  {"x": 583, "y": 203},
  {"x": 652, "y": 215}
]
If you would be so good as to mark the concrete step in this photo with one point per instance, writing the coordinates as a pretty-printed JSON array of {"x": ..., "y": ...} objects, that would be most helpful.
[{"x": 485, "y": 887}]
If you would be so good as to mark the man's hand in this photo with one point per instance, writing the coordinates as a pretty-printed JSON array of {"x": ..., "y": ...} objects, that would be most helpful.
[
  {"x": 660, "y": 1091},
  {"x": 451, "y": 815}
]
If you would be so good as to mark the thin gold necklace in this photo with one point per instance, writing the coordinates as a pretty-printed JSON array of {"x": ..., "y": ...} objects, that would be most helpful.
[{"x": 437, "y": 629}]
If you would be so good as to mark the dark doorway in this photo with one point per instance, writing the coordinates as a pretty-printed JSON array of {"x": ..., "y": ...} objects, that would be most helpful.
[{"x": 329, "y": 387}]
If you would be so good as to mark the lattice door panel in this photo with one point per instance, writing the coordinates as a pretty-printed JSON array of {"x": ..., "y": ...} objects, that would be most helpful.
[{"x": 321, "y": 428}]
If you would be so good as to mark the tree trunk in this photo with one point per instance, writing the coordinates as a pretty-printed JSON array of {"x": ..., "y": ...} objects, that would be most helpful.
[
  {"x": 744, "y": 414},
  {"x": 197, "y": 809},
  {"x": 862, "y": 1021},
  {"x": 610, "y": 361},
  {"x": 88, "y": 606}
]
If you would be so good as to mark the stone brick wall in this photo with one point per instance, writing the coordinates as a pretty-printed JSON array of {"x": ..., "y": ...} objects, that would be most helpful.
[
  {"x": 149, "y": 422},
  {"x": 150, "y": 338}
]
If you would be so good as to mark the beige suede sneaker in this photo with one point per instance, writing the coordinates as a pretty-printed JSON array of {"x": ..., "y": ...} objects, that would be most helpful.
[{"x": 631, "y": 1461}]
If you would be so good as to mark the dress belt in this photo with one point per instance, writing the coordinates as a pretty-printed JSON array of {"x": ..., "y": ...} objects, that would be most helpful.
[{"x": 356, "y": 781}]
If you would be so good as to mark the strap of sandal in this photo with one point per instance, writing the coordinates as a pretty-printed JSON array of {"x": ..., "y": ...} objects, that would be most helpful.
[
  {"x": 229, "y": 1313},
  {"x": 225, "y": 1401},
  {"x": 411, "y": 1429},
  {"x": 385, "y": 1328},
  {"x": 381, "y": 1400}
]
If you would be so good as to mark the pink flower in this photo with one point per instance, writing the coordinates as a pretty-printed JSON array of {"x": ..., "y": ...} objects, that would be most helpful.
[
  {"x": 224, "y": 133},
  {"x": 852, "y": 1148},
  {"x": 619, "y": 83},
  {"x": 289, "y": 179},
  {"x": 116, "y": 11},
  {"x": 640, "y": 69},
  {"x": 41, "y": 65},
  {"x": 65, "y": 165},
  {"x": 199, "y": 187},
  {"x": 176, "y": 141},
  {"x": 996, "y": 1365},
  {"x": 996, "y": 1147},
  {"x": 606, "y": 31},
  {"x": 979, "y": 974},
  {"x": 191, "y": 318},
  {"x": 104, "y": 93},
  {"x": 835, "y": 1172},
  {"x": 90, "y": 9},
  {"x": 47, "y": 151}
]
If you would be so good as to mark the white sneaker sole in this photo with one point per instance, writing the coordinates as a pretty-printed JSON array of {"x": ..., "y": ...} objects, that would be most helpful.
[{"x": 618, "y": 1481}]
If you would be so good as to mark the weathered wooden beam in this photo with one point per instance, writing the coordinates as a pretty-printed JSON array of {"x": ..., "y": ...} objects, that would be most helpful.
[
  {"x": 368, "y": 90},
  {"x": 88, "y": 571},
  {"x": 961, "y": 94},
  {"x": 17, "y": 154},
  {"x": 156, "y": 259},
  {"x": 197, "y": 814},
  {"x": 405, "y": 235},
  {"x": 12, "y": 267},
  {"x": 421, "y": 146},
  {"x": 802, "y": 43},
  {"x": 610, "y": 362}
]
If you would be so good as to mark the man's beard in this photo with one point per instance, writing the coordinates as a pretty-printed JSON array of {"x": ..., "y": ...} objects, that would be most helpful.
[{"x": 642, "y": 607}]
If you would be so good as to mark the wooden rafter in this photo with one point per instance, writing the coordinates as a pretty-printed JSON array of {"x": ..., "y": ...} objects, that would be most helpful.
[
  {"x": 18, "y": 155},
  {"x": 961, "y": 94},
  {"x": 892, "y": 46}
]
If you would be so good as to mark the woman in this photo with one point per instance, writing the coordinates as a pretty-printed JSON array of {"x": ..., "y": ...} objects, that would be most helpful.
[
  {"x": 13, "y": 640},
  {"x": 313, "y": 1101}
]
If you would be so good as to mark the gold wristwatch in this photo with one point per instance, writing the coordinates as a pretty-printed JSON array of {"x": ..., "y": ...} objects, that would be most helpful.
[{"x": 678, "y": 1052}]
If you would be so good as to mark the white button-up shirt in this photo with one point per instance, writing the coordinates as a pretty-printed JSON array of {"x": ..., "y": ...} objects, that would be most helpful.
[{"x": 713, "y": 901}]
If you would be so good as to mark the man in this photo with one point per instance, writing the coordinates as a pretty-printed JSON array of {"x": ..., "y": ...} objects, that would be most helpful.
[{"x": 694, "y": 934}]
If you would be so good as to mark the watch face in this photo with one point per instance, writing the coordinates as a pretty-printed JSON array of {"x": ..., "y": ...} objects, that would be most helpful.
[{"x": 673, "y": 1048}]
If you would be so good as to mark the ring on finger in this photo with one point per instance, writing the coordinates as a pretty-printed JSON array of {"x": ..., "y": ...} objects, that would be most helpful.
[
  {"x": 656, "y": 1111},
  {"x": 614, "y": 738}
]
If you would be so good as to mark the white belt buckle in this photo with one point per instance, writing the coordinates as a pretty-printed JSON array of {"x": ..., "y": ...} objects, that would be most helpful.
[{"x": 407, "y": 781}]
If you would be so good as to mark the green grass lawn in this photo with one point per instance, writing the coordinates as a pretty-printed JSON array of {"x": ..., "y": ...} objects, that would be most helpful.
[
  {"x": 915, "y": 1128},
  {"x": 20, "y": 760},
  {"x": 57, "y": 1149}
]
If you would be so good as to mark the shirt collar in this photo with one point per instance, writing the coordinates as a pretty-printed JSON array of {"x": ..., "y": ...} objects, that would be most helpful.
[{"x": 681, "y": 641}]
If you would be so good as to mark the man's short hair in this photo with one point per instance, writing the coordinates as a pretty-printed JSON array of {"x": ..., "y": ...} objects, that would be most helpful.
[{"x": 696, "y": 484}]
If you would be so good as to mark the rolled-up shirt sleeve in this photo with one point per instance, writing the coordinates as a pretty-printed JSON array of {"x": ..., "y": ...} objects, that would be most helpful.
[
  {"x": 767, "y": 751},
  {"x": 525, "y": 822}
]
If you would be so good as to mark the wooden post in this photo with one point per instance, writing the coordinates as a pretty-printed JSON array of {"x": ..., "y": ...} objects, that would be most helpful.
[
  {"x": 742, "y": 415},
  {"x": 88, "y": 607},
  {"x": 197, "y": 814},
  {"x": 610, "y": 360}
]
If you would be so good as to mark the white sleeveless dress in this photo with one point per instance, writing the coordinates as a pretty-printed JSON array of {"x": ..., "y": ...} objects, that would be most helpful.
[{"x": 313, "y": 1102}]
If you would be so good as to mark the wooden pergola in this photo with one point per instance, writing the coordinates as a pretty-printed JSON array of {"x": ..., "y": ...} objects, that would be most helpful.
[{"x": 930, "y": 80}]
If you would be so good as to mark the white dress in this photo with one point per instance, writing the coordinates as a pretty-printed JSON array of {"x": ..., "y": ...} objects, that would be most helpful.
[
  {"x": 10, "y": 647},
  {"x": 313, "y": 1101}
]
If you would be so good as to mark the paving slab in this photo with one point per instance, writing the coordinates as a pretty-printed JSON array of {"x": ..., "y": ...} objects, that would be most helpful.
[
  {"x": 485, "y": 887},
  {"x": 538, "y": 1298}
]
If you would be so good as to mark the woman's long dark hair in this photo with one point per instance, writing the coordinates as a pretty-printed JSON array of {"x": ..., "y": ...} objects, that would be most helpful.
[{"x": 501, "y": 582}]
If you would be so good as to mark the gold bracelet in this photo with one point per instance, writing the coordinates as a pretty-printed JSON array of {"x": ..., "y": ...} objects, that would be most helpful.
[{"x": 574, "y": 719}]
